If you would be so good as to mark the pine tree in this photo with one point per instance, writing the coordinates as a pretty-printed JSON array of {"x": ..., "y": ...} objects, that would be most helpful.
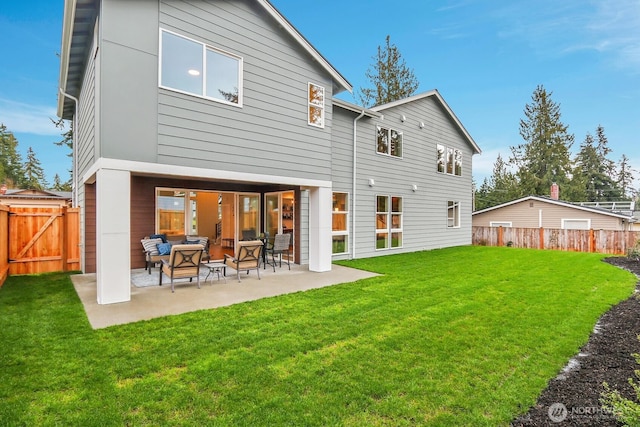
[
  {"x": 58, "y": 185},
  {"x": 34, "y": 173},
  {"x": 391, "y": 78},
  {"x": 11, "y": 171},
  {"x": 501, "y": 187},
  {"x": 625, "y": 178},
  {"x": 544, "y": 157},
  {"x": 593, "y": 169}
]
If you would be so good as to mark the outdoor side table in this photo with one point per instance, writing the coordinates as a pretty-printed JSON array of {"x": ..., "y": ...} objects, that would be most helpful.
[{"x": 216, "y": 267}]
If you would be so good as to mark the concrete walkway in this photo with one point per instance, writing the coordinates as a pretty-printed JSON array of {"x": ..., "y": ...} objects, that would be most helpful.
[{"x": 155, "y": 301}]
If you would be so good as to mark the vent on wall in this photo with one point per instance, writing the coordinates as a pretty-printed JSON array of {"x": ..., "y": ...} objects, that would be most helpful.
[{"x": 530, "y": 204}]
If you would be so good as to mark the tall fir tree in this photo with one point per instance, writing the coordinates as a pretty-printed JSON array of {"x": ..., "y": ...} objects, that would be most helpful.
[
  {"x": 501, "y": 187},
  {"x": 11, "y": 172},
  {"x": 34, "y": 173},
  {"x": 625, "y": 178},
  {"x": 544, "y": 157},
  {"x": 391, "y": 78},
  {"x": 592, "y": 174}
]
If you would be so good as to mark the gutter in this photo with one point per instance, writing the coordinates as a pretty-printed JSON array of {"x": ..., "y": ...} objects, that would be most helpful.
[
  {"x": 353, "y": 201},
  {"x": 74, "y": 167}
]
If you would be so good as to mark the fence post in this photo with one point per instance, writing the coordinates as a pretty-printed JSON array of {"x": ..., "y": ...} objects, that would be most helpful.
[
  {"x": 541, "y": 243},
  {"x": 500, "y": 236},
  {"x": 592, "y": 240}
]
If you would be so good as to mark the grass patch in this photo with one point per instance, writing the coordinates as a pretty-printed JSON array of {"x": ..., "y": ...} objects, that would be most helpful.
[{"x": 460, "y": 336}]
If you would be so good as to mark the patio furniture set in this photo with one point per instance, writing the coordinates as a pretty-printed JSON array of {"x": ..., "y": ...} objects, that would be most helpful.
[{"x": 183, "y": 259}]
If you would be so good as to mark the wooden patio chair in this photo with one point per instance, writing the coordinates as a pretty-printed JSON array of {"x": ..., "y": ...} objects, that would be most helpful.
[
  {"x": 184, "y": 263},
  {"x": 247, "y": 258}
]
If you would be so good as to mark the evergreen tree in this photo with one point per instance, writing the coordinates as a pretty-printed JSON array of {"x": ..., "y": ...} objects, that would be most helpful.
[
  {"x": 391, "y": 78},
  {"x": 625, "y": 178},
  {"x": 58, "y": 185},
  {"x": 34, "y": 173},
  {"x": 593, "y": 168},
  {"x": 544, "y": 157},
  {"x": 502, "y": 187},
  {"x": 11, "y": 172}
]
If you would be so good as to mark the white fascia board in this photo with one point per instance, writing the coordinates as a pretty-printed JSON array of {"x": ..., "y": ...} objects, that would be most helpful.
[
  {"x": 306, "y": 45},
  {"x": 65, "y": 49},
  {"x": 161, "y": 170}
]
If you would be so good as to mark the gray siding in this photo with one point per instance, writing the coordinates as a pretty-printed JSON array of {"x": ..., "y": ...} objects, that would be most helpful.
[
  {"x": 269, "y": 134},
  {"x": 129, "y": 80},
  {"x": 425, "y": 210},
  {"x": 86, "y": 122}
]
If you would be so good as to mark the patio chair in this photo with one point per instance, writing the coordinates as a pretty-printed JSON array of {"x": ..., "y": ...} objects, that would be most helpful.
[
  {"x": 152, "y": 255},
  {"x": 280, "y": 246},
  {"x": 247, "y": 258},
  {"x": 184, "y": 263}
]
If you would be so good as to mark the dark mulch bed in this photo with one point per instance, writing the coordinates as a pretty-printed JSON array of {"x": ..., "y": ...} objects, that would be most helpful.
[{"x": 607, "y": 357}]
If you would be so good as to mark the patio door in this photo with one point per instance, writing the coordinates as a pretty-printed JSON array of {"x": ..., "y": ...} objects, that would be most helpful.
[
  {"x": 248, "y": 216},
  {"x": 279, "y": 215}
]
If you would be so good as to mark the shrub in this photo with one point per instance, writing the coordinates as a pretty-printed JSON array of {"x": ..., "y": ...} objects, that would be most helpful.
[{"x": 625, "y": 410}]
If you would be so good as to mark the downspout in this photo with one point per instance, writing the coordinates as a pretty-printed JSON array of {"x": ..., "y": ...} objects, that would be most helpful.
[
  {"x": 74, "y": 167},
  {"x": 353, "y": 201}
]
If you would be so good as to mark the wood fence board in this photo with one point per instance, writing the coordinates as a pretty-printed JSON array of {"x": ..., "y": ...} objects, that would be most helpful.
[
  {"x": 42, "y": 239},
  {"x": 614, "y": 242}
]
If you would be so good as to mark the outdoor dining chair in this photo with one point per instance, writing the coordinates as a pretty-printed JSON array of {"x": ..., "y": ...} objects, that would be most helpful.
[
  {"x": 184, "y": 263},
  {"x": 280, "y": 246},
  {"x": 247, "y": 258}
]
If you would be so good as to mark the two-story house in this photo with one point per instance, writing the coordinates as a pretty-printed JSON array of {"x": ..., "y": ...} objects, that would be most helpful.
[{"x": 215, "y": 118}]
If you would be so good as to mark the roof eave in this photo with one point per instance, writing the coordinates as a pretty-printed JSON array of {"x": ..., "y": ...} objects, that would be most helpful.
[{"x": 67, "y": 35}]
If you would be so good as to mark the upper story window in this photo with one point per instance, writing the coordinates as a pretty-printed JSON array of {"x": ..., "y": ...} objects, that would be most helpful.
[
  {"x": 448, "y": 160},
  {"x": 316, "y": 105},
  {"x": 192, "y": 67},
  {"x": 388, "y": 141}
]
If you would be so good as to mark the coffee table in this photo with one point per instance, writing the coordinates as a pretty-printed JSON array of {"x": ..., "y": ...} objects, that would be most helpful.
[{"x": 216, "y": 267}]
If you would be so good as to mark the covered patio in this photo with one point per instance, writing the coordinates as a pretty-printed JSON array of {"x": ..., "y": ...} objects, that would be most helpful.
[{"x": 149, "y": 302}]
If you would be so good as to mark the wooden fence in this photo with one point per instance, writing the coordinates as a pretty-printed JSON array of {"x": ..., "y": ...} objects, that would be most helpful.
[
  {"x": 603, "y": 241},
  {"x": 4, "y": 243},
  {"x": 39, "y": 240}
]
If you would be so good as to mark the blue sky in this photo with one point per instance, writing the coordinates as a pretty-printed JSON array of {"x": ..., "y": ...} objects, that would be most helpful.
[{"x": 485, "y": 57}]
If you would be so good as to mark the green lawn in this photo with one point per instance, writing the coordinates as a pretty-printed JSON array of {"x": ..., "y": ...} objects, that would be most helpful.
[{"x": 460, "y": 336}]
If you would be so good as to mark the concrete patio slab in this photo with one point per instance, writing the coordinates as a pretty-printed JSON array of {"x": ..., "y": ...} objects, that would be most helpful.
[{"x": 158, "y": 301}]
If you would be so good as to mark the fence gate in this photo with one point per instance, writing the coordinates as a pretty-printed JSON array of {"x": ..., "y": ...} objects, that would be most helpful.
[{"x": 43, "y": 239}]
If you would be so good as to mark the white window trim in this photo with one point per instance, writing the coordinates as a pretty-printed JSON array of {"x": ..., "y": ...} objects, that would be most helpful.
[
  {"x": 500, "y": 224},
  {"x": 389, "y": 230},
  {"x": 322, "y": 107},
  {"x": 343, "y": 232},
  {"x": 204, "y": 71},
  {"x": 563, "y": 222},
  {"x": 446, "y": 149},
  {"x": 459, "y": 205},
  {"x": 388, "y": 153}
]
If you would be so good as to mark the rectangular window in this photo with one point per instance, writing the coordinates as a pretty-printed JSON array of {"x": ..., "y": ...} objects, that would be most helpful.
[
  {"x": 575, "y": 224},
  {"x": 440, "y": 158},
  {"x": 448, "y": 160},
  {"x": 388, "y": 141},
  {"x": 316, "y": 105},
  {"x": 192, "y": 67},
  {"x": 453, "y": 214},
  {"x": 340, "y": 223},
  {"x": 500, "y": 224},
  {"x": 388, "y": 222}
]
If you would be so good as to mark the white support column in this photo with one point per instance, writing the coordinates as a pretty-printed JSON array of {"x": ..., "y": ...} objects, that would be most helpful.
[
  {"x": 113, "y": 263},
  {"x": 320, "y": 229}
]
